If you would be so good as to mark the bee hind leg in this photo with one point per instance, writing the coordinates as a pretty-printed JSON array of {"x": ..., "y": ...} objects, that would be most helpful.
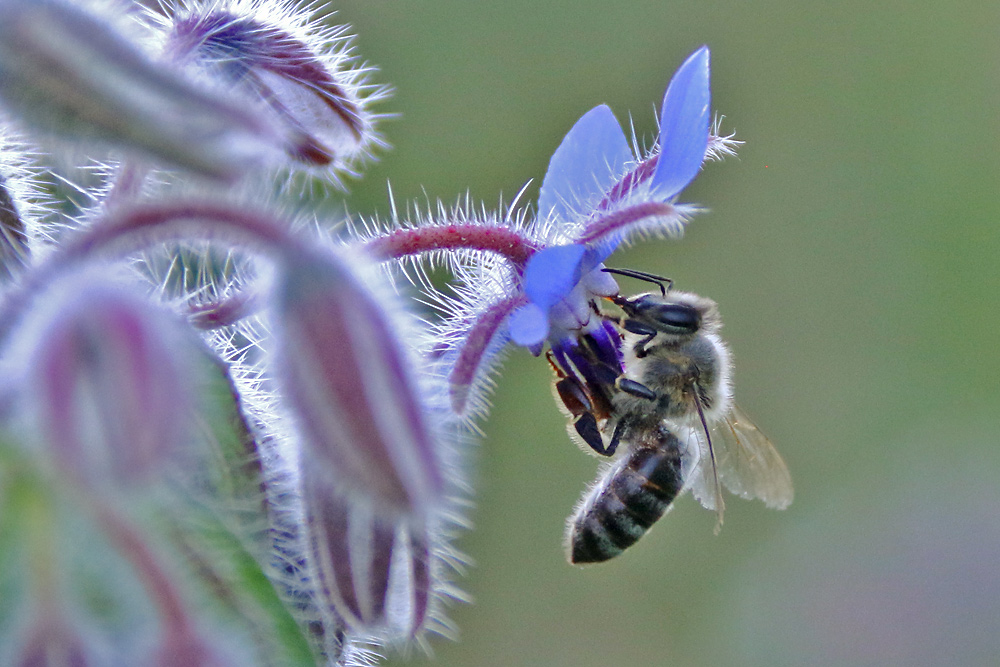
[{"x": 586, "y": 427}]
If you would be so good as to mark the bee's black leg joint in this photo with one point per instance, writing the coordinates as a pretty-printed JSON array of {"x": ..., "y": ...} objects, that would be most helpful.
[
  {"x": 634, "y": 388},
  {"x": 637, "y": 327},
  {"x": 615, "y": 438},
  {"x": 586, "y": 427},
  {"x": 640, "y": 347}
]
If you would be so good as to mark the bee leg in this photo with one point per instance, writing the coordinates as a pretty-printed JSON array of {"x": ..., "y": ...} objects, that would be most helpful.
[
  {"x": 637, "y": 327},
  {"x": 586, "y": 427},
  {"x": 615, "y": 438},
  {"x": 573, "y": 396},
  {"x": 634, "y": 388}
]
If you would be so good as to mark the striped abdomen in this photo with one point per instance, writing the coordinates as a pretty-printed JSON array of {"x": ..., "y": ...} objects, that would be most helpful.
[{"x": 627, "y": 501}]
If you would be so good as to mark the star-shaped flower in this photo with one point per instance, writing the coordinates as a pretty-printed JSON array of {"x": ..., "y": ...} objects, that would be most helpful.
[
  {"x": 596, "y": 195},
  {"x": 536, "y": 282}
]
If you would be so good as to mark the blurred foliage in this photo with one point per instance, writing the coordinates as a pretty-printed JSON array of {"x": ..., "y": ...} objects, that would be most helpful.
[
  {"x": 210, "y": 527},
  {"x": 853, "y": 250}
]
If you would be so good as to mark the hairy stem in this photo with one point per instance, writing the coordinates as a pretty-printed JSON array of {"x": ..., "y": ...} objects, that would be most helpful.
[
  {"x": 508, "y": 243},
  {"x": 608, "y": 225},
  {"x": 122, "y": 232}
]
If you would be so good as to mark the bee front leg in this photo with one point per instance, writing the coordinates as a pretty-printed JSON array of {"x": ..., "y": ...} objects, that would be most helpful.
[
  {"x": 637, "y": 327},
  {"x": 634, "y": 388}
]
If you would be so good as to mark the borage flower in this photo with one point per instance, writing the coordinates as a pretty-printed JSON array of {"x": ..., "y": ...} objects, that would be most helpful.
[{"x": 595, "y": 195}]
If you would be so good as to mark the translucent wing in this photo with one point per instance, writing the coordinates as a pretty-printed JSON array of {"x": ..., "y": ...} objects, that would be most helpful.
[
  {"x": 699, "y": 470},
  {"x": 748, "y": 464}
]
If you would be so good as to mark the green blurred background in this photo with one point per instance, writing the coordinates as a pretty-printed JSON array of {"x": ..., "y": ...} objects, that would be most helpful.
[{"x": 853, "y": 248}]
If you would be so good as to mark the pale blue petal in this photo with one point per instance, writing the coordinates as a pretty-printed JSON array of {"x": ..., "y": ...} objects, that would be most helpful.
[
  {"x": 529, "y": 325},
  {"x": 684, "y": 126},
  {"x": 597, "y": 253},
  {"x": 552, "y": 273},
  {"x": 586, "y": 165}
]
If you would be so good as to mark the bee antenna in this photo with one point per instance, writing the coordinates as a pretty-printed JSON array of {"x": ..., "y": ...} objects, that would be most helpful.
[
  {"x": 720, "y": 505},
  {"x": 659, "y": 281}
]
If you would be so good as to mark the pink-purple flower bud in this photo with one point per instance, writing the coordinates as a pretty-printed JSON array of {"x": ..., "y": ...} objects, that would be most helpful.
[
  {"x": 351, "y": 383},
  {"x": 13, "y": 234},
  {"x": 64, "y": 71},
  {"x": 51, "y": 643},
  {"x": 106, "y": 381},
  {"x": 350, "y": 552},
  {"x": 371, "y": 571},
  {"x": 296, "y": 71}
]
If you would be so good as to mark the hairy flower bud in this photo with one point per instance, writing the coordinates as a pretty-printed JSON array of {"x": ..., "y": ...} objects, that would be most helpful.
[
  {"x": 350, "y": 551},
  {"x": 299, "y": 70},
  {"x": 13, "y": 234},
  {"x": 373, "y": 572},
  {"x": 65, "y": 72},
  {"x": 351, "y": 384},
  {"x": 51, "y": 643},
  {"x": 105, "y": 379}
]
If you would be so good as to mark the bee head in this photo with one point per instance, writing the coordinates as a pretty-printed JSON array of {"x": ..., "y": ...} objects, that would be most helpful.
[{"x": 675, "y": 314}]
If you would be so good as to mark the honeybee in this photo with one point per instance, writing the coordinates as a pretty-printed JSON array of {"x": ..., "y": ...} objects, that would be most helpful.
[{"x": 668, "y": 407}]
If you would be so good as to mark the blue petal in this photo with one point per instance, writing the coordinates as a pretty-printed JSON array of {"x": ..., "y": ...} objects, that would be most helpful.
[
  {"x": 552, "y": 273},
  {"x": 529, "y": 325},
  {"x": 586, "y": 165},
  {"x": 684, "y": 126},
  {"x": 597, "y": 253}
]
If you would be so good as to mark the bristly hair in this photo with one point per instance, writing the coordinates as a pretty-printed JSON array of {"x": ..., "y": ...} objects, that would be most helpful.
[
  {"x": 306, "y": 27},
  {"x": 24, "y": 205}
]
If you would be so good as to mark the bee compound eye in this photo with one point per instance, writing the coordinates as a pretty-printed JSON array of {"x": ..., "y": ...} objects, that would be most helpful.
[{"x": 674, "y": 317}]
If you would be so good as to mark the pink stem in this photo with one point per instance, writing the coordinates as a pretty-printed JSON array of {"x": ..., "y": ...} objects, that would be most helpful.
[
  {"x": 602, "y": 228},
  {"x": 476, "y": 344},
  {"x": 127, "y": 230},
  {"x": 505, "y": 242},
  {"x": 222, "y": 313},
  {"x": 628, "y": 182},
  {"x": 642, "y": 172}
]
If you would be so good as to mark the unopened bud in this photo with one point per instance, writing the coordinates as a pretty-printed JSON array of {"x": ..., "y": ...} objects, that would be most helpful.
[
  {"x": 373, "y": 572},
  {"x": 414, "y": 593},
  {"x": 351, "y": 384},
  {"x": 350, "y": 550},
  {"x": 299, "y": 77},
  {"x": 106, "y": 381},
  {"x": 13, "y": 234},
  {"x": 63, "y": 71},
  {"x": 51, "y": 643}
]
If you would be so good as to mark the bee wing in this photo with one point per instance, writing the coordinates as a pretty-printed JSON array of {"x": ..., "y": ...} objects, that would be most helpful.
[
  {"x": 748, "y": 464},
  {"x": 699, "y": 470}
]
